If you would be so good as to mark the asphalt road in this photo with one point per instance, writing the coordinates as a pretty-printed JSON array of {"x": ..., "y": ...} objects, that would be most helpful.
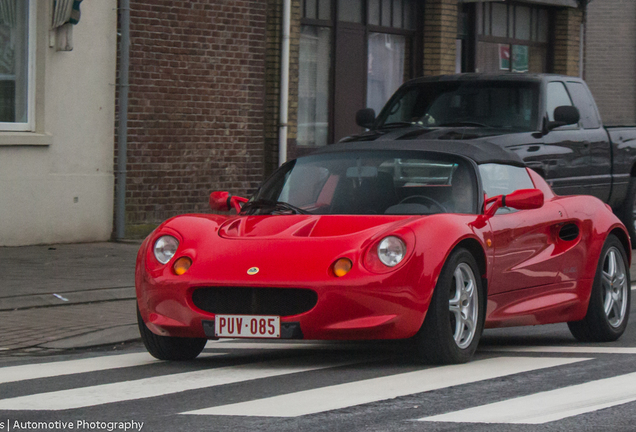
[{"x": 522, "y": 379}]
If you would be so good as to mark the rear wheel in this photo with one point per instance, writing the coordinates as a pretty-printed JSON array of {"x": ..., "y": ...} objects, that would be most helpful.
[
  {"x": 169, "y": 348},
  {"x": 455, "y": 318},
  {"x": 608, "y": 310}
]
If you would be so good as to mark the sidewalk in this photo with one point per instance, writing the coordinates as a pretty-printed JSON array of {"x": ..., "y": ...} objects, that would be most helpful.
[{"x": 67, "y": 296}]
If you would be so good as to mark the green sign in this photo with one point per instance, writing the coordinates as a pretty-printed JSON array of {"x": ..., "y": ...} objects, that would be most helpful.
[{"x": 520, "y": 55}]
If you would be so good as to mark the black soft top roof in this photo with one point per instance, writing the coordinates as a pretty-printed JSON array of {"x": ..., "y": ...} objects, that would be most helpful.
[{"x": 481, "y": 153}]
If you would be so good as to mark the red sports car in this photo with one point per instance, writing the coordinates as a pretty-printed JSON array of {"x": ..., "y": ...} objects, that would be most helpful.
[{"x": 386, "y": 240}]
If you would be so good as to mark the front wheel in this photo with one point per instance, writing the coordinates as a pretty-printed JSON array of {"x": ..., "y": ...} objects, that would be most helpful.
[
  {"x": 608, "y": 310},
  {"x": 169, "y": 348},
  {"x": 455, "y": 318}
]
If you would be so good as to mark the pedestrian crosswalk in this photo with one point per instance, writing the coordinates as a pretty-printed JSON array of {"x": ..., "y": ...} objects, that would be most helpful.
[
  {"x": 377, "y": 389},
  {"x": 158, "y": 386},
  {"x": 276, "y": 386}
]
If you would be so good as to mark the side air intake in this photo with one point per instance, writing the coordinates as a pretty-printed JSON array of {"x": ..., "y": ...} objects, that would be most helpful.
[{"x": 569, "y": 232}]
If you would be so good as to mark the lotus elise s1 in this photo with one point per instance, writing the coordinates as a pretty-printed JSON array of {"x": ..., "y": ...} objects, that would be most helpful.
[{"x": 386, "y": 240}]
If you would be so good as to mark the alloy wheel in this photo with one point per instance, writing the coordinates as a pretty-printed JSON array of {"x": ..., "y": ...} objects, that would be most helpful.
[
  {"x": 614, "y": 282},
  {"x": 463, "y": 305}
]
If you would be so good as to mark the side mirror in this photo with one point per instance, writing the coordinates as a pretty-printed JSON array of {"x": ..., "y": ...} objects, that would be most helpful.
[
  {"x": 563, "y": 116},
  {"x": 224, "y": 201},
  {"x": 365, "y": 117},
  {"x": 522, "y": 199}
]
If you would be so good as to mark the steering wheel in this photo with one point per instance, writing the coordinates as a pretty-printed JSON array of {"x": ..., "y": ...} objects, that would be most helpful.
[{"x": 424, "y": 198}]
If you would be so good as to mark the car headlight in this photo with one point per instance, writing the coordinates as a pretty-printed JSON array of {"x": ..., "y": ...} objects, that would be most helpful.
[
  {"x": 165, "y": 248},
  {"x": 391, "y": 251}
]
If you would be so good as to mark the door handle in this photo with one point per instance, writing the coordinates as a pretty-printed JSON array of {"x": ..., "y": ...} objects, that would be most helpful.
[{"x": 586, "y": 147}]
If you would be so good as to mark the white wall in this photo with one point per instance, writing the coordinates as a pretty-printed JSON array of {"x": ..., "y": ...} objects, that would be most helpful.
[{"x": 73, "y": 158}]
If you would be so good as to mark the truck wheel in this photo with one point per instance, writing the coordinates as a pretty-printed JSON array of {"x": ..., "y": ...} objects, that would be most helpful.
[
  {"x": 169, "y": 348},
  {"x": 455, "y": 318},
  {"x": 608, "y": 310},
  {"x": 628, "y": 211}
]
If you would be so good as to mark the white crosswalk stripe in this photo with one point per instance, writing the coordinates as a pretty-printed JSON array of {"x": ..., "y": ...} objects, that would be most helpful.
[
  {"x": 161, "y": 385},
  {"x": 564, "y": 349},
  {"x": 53, "y": 369},
  {"x": 550, "y": 405},
  {"x": 377, "y": 389}
]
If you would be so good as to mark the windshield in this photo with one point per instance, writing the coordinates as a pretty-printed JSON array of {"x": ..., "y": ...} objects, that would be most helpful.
[
  {"x": 369, "y": 182},
  {"x": 495, "y": 104}
]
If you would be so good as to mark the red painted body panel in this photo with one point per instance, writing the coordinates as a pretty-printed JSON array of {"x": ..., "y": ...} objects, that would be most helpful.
[{"x": 533, "y": 276}]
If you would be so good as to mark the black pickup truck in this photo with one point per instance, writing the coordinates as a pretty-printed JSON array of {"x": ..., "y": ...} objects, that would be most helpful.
[{"x": 551, "y": 121}]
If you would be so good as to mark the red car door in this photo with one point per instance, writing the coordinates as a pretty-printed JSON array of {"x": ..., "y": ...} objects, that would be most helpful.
[
  {"x": 524, "y": 248},
  {"x": 523, "y": 242}
]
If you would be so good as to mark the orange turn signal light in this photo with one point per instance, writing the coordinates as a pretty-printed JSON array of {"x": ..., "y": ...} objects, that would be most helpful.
[
  {"x": 181, "y": 265},
  {"x": 342, "y": 266}
]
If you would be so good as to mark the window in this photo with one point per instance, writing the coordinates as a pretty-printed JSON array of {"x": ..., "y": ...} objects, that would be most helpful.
[
  {"x": 313, "y": 85},
  {"x": 17, "y": 52},
  {"x": 498, "y": 104},
  {"x": 500, "y": 179},
  {"x": 584, "y": 102},
  {"x": 375, "y": 182},
  {"x": 353, "y": 54},
  {"x": 386, "y": 67},
  {"x": 511, "y": 38},
  {"x": 557, "y": 96},
  {"x": 387, "y": 53}
]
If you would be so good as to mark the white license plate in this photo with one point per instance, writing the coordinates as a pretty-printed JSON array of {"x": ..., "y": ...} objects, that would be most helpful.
[{"x": 247, "y": 326}]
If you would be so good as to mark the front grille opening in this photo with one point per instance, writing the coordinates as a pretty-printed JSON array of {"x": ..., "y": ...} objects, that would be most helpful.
[{"x": 254, "y": 301}]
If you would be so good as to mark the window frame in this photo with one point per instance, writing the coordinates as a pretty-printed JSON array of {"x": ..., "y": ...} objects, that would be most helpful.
[
  {"x": 411, "y": 59},
  {"x": 29, "y": 125},
  {"x": 480, "y": 34}
]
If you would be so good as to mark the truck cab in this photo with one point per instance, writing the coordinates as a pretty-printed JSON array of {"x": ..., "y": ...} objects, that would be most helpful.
[{"x": 551, "y": 121}]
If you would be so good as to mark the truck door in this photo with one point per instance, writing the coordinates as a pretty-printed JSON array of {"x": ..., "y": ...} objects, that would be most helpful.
[
  {"x": 599, "y": 181},
  {"x": 568, "y": 170}
]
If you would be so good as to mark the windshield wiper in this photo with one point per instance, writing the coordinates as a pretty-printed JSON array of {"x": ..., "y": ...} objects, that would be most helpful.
[
  {"x": 463, "y": 123},
  {"x": 396, "y": 125},
  {"x": 270, "y": 206}
]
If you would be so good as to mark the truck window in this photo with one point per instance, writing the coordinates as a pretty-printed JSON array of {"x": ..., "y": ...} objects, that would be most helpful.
[
  {"x": 557, "y": 96},
  {"x": 584, "y": 102},
  {"x": 497, "y": 104}
]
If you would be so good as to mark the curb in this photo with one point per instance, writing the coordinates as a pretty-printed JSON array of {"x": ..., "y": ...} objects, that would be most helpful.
[
  {"x": 64, "y": 298},
  {"x": 112, "y": 335}
]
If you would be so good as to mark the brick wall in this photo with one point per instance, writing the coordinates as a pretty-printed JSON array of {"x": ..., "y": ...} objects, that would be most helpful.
[
  {"x": 610, "y": 59},
  {"x": 567, "y": 37},
  {"x": 197, "y": 100},
  {"x": 440, "y": 34}
]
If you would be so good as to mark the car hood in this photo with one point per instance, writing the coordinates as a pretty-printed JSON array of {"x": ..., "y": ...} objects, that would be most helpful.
[
  {"x": 313, "y": 226},
  {"x": 437, "y": 133}
]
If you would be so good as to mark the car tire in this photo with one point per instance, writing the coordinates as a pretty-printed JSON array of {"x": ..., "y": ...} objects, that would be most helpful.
[
  {"x": 455, "y": 317},
  {"x": 608, "y": 310},
  {"x": 169, "y": 348},
  {"x": 627, "y": 212}
]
